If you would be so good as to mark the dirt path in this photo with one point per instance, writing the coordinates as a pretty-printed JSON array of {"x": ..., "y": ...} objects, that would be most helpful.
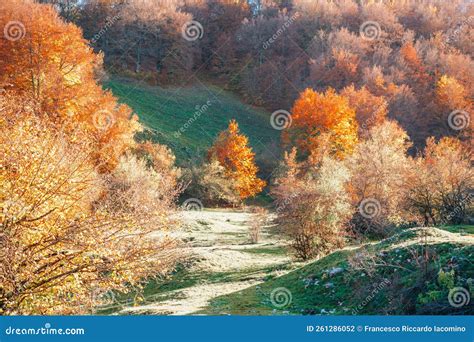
[{"x": 219, "y": 244}]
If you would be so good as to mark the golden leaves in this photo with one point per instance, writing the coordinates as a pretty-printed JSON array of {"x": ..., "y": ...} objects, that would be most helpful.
[
  {"x": 317, "y": 115},
  {"x": 233, "y": 153}
]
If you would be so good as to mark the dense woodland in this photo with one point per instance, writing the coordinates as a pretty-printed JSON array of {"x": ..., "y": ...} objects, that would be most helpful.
[
  {"x": 377, "y": 130},
  {"x": 270, "y": 51}
]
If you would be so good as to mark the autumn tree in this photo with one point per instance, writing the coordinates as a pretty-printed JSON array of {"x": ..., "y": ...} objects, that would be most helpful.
[
  {"x": 439, "y": 189},
  {"x": 231, "y": 150},
  {"x": 370, "y": 110},
  {"x": 414, "y": 67},
  {"x": 48, "y": 61},
  {"x": 378, "y": 166},
  {"x": 322, "y": 115},
  {"x": 210, "y": 183},
  {"x": 454, "y": 108},
  {"x": 312, "y": 204}
]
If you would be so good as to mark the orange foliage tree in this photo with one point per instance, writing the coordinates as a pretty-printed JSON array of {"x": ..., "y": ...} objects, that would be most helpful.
[
  {"x": 451, "y": 94},
  {"x": 48, "y": 61},
  {"x": 322, "y": 117},
  {"x": 415, "y": 68},
  {"x": 233, "y": 153}
]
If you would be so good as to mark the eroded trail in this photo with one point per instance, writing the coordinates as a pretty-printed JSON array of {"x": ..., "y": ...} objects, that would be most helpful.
[{"x": 223, "y": 261}]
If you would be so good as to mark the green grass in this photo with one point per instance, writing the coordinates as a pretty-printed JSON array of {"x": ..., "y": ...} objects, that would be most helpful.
[
  {"x": 161, "y": 289},
  {"x": 412, "y": 289},
  {"x": 315, "y": 291},
  {"x": 164, "y": 111},
  {"x": 278, "y": 250},
  {"x": 462, "y": 229}
]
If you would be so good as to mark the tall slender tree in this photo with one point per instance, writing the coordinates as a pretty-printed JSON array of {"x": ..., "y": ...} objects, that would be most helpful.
[{"x": 232, "y": 151}]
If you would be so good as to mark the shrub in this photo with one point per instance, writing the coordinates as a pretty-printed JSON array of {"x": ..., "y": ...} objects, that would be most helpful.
[
  {"x": 439, "y": 189},
  {"x": 210, "y": 184},
  {"x": 259, "y": 219},
  {"x": 378, "y": 166},
  {"x": 138, "y": 189},
  {"x": 312, "y": 205}
]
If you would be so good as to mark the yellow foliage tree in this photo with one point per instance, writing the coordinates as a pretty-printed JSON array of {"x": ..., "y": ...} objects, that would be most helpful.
[
  {"x": 454, "y": 106},
  {"x": 451, "y": 94},
  {"x": 233, "y": 153}
]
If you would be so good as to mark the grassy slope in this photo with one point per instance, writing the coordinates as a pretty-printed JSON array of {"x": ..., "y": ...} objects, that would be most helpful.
[
  {"x": 315, "y": 291},
  {"x": 166, "y": 110},
  {"x": 158, "y": 290}
]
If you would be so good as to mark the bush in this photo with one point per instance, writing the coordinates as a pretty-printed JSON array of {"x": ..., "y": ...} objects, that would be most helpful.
[
  {"x": 210, "y": 184},
  {"x": 259, "y": 219},
  {"x": 135, "y": 188},
  {"x": 439, "y": 187},
  {"x": 313, "y": 206},
  {"x": 378, "y": 166}
]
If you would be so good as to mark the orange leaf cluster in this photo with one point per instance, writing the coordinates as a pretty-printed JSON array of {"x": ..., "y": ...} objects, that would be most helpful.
[
  {"x": 233, "y": 153},
  {"x": 47, "y": 60},
  {"x": 323, "y": 119}
]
